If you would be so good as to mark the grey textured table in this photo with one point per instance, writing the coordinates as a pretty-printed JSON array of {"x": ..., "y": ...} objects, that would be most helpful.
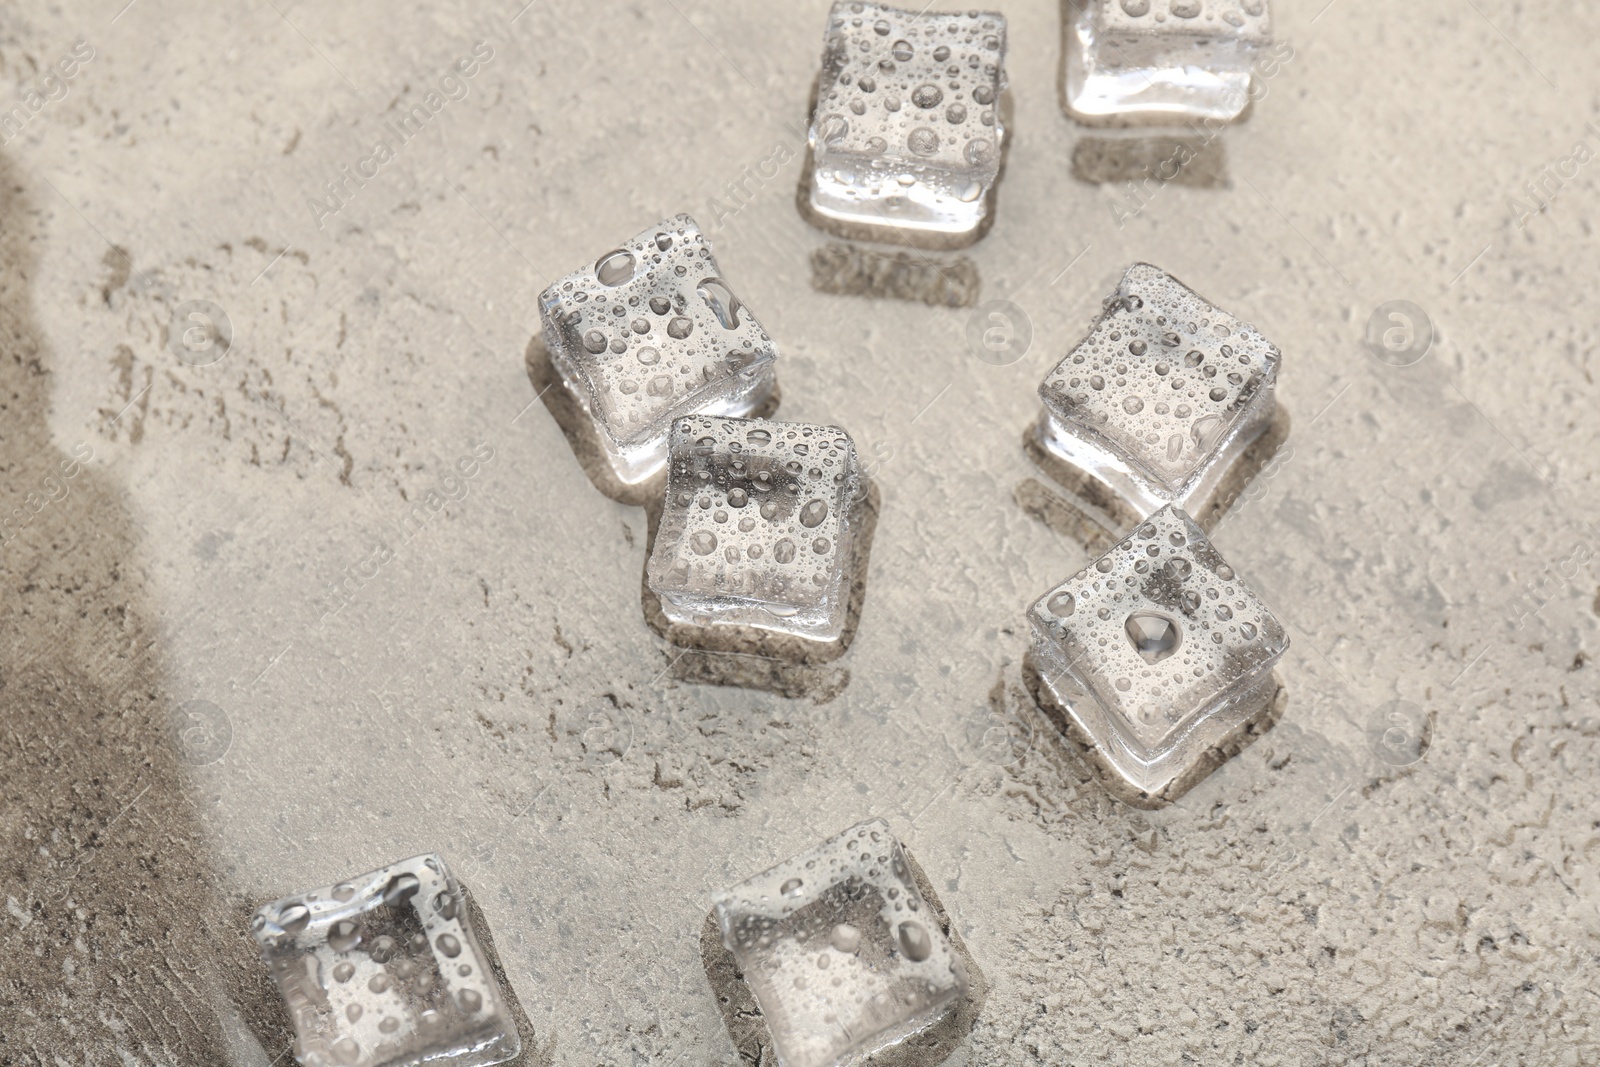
[{"x": 257, "y": 635}]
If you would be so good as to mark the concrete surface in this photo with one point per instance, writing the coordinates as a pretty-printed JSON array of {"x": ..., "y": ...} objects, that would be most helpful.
[{"x": 345, "y": 595}]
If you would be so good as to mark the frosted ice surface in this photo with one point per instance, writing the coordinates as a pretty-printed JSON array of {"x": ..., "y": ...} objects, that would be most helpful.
[
  {"x": 1163, "y": 395},
  {"x": 840, "y": 949},
  {"x": 1131, "y": 61},
  {"x": 907, "y": 129},
  {"x": 384, "y": 970},
  {"x": 758, "y": 525},
  {"x": 651, "y": 331},
  {"x": 1151, "y": 640}
]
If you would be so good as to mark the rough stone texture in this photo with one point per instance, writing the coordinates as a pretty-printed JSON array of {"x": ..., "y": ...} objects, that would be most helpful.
[{"x": 484, "y": 683}]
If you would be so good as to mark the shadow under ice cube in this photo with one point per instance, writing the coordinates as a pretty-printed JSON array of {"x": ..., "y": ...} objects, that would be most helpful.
[
  {"x": 906, "y": 134},
  {"x": 842, "y": 952},
  {"x": 384, "y": 969},
  {"x": 759, "y": 526},
  {"x": 1162, "y": 398},
  {"x": 1159, "y": 655},
  {"x": 649, "y": 332},
  {"x": 1130, "y": 62}
]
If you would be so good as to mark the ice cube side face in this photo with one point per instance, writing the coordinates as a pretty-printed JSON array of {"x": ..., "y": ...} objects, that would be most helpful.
[
  {"x": 1151, "y": 641},
  {"x": 1163, "y": 395},
  {"x": 907, "y": 129},
  {"x": 1141, "y": 61},
  {"x": 758, "y": 526},
  {"x": 840, "y": 949},
  {"x": 650, "y": 331},
  {"x": 384, "y": 969}
]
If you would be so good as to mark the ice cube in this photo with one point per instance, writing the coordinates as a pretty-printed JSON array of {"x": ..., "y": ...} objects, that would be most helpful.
[
  {"x": 1138, "y": 61},
  {"x": 650, "y": 331},
  {"x": 384, "y": 969},
  {"x": 1158, "y": 653},
  {"x": 1162, "y": 398},
  {"x": 906, "y": 134},
  {"x": 843, "y": 954},
  {"x": 759, "y": 525}
]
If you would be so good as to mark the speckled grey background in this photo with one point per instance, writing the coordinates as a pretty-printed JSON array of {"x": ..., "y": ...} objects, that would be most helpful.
[{"x": 486, "y": 684}]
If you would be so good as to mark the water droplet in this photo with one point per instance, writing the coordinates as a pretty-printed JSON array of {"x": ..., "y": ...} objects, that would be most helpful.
[
  {"x": 1177, "y": 569},
  {"x": 792, "y": 887},
  {"x": 927, "y": 96},
  {"x": 1135, "y": 8},
  {"x": 353, "y": 1013},
  {"x": 1219, "y": 394},
  {"x": 922, "y": 141},
  {"x": 345, "y": 1050},
  {"x": 738, "y": 498},
  {"x": 1224, "y": 612},
  {"x": 955, "y": 114},
  {"x": 294, "y": 918},
  {"x": 1154, "y": 637},
  {"x": 784, "y": 551},
  {"x": 703, "y": 542},
  {"x": 679, "y": 327},
  {"x": 1132, "y": 405},
  {"x": 1247, "y": 629},
  {"x": 594, "y": 341},
  {"x": 902, "y": 51},
  {"x": 615, "y": 268},
  {"x": 813, "y": 513},
  {"x": 469, "y": 1000},
  {"x": 914, "y": 941},
  {"x": 344, "y": 936},
  {"x": 379, "y": 983},
  {"x": 845, "y": 938},
  {"x": 1062, "y": 605},
  {"x": 720, "y": 299},
  {"x": 344, "y": 971}
]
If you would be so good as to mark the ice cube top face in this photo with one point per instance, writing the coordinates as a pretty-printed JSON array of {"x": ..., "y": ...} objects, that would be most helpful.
[
  {"x": 650, "y": 331},
  {"x": 907, "y": 129},
  {"x": 384, "y": 969},
  {"x": 1158, "y": 631},
  {"x": 840, "y": 949},
  {"x": 758, "y": 524},
  {"x": 1165, "y": 383},
  {"x": 1163, "y": 60}
]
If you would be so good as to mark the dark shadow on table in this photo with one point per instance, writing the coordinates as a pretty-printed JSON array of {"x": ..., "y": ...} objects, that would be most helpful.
[{"x": 122, "y": 937}]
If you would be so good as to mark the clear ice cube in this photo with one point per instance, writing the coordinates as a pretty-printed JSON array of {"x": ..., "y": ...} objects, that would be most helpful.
[
  {"x": 758, "y": 527},
  {"x": 384, "y": 969},
  {"x": 651, "y": 331},
  {"x": 907, "y": 133},
  {"x": 1158, "y": 652},
  {"x": 1162, "y": 397},
  {"x": 1138, "y": 61},
  {"x": 841, "y": 951}
]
